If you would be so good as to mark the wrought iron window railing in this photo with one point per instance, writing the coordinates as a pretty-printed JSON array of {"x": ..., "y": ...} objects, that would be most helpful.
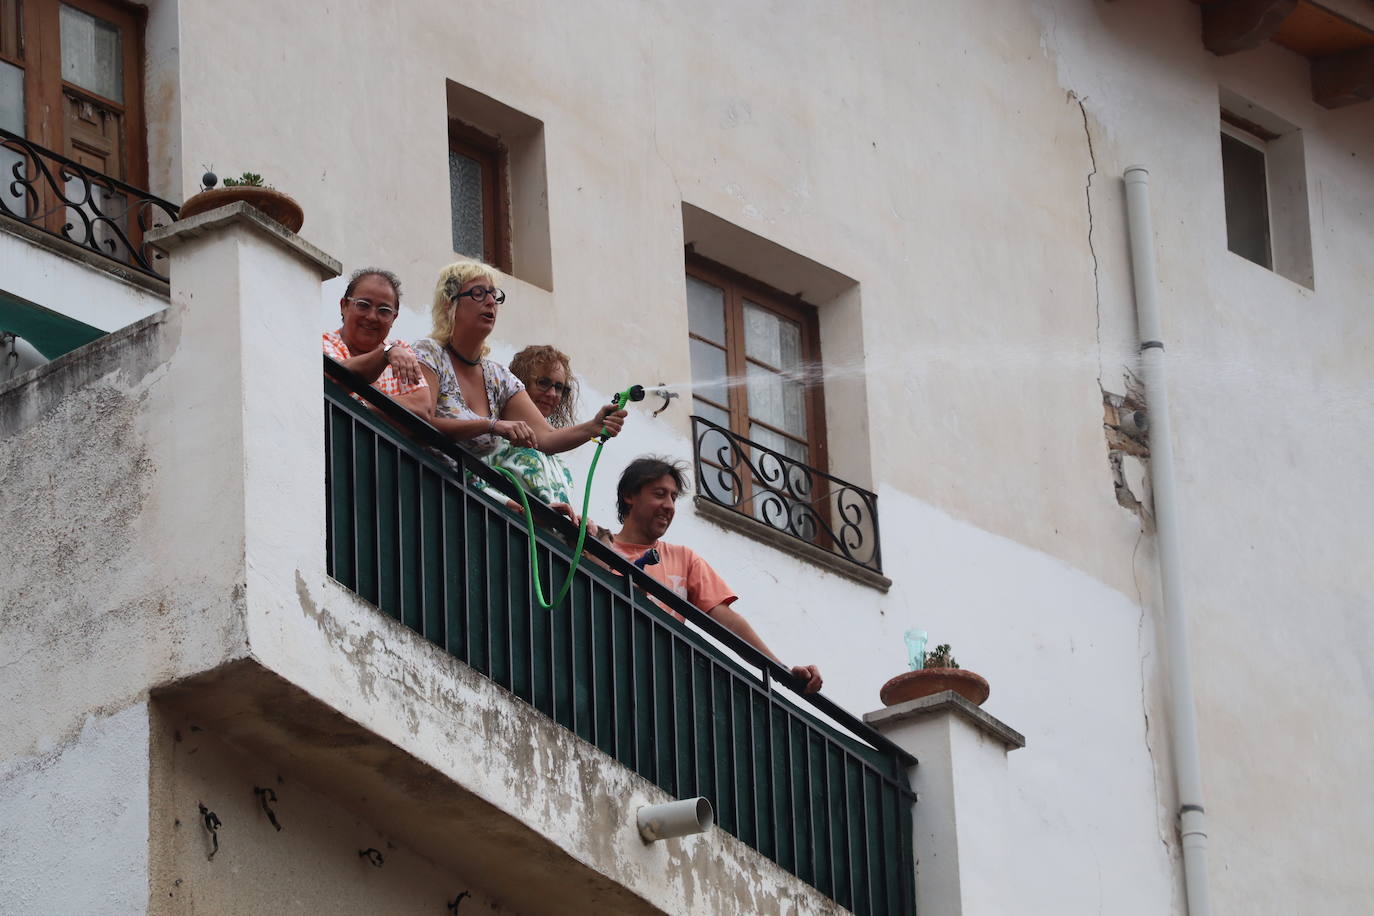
[
  {"x": 405, "y": 533},
  {"x": 66, "y": 199},
  {"x": 787, "y": 495}
]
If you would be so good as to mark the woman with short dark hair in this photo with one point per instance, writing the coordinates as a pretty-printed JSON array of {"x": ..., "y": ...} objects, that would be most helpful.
[{"x": 367, "y": 311}]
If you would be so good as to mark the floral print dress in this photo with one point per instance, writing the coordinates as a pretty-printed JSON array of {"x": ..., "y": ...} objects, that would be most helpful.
[
  {"x": 500, "y": 382},
  {"x": 544, "y": 476}
]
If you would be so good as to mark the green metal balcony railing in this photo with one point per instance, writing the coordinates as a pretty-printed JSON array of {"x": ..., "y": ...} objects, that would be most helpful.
[{"x": 405, "y": 533}]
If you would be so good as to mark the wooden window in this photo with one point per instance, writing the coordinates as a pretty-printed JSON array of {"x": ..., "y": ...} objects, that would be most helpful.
[
  {"x": 77, "y": 66},
  {"x": 479, "y": 196},
  {"x": 756, "y": 362}
]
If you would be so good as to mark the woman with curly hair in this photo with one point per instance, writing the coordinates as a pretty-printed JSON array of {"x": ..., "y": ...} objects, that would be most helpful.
[{"x": 546, "y": 373}]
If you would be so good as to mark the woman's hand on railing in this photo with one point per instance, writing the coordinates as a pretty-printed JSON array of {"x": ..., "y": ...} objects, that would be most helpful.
[{"x": 403, "y": 364}]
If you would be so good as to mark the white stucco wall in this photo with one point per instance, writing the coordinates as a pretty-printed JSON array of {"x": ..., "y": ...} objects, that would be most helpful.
[
  {"x": 74, "y": 821},
  {"x": 961, "y": 162}
]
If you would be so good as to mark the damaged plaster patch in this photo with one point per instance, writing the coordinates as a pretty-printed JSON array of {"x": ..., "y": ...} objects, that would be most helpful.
[{"x": 1125, "y": 424}]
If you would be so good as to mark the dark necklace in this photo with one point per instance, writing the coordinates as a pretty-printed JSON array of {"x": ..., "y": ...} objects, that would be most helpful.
[{"x": 463, "y": 359}]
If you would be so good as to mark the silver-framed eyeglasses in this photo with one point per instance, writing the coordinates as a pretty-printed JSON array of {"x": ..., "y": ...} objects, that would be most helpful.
[
  {"x": 366, "y": 306},
  {"x": 478, "y": 293}
]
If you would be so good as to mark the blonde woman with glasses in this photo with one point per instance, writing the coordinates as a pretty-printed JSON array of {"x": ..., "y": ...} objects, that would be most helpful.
[{"x": 476, "y": 401}]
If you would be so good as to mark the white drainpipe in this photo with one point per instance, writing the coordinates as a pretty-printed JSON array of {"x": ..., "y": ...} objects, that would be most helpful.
[{"x": 1183, "y": 718}]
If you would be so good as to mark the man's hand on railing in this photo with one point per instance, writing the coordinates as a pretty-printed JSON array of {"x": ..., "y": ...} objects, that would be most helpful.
[{"x": 809, "y": 676}]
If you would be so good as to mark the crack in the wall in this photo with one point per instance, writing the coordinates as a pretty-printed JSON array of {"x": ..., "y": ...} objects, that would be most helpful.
[
  {"x": 1126, "y": 431},
  {"x": 1092, "y": 248},
  {"x": 1145, "y": 695}
]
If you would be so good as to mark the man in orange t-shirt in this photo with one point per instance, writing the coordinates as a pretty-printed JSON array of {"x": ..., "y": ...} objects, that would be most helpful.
[{"x": 646, "y": 500}]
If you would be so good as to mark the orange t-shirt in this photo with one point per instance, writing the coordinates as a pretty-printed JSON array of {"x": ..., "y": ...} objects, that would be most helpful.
[{"x": 684, "y": 573}]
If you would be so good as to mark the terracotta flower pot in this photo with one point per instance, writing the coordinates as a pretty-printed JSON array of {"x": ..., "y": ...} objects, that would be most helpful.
[
  {"x": 273, "y": 204},
  {"x": 912, "y": 685}
]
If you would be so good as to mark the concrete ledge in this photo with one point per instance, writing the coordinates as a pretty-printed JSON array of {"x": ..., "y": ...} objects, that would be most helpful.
[
  {"x": 133, "y": 345},
  {"x": 169, "y": 238},
  {"x": 767, "y": 534},
  {"x": 948, "y": 702},
  {"x": 84, "y": 256}
]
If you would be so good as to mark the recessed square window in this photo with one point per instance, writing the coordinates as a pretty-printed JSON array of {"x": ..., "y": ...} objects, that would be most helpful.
[
  {"x": 498, "y": 188},
  {"x": 772, "y": 460},
  {"x": 1264, "y": 181}
]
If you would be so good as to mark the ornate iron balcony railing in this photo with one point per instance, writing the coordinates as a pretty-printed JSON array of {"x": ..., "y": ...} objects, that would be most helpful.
[
  {"x": 831, "y": 805},
  {"x": 787, "y": 495},
  {"x": 66, "y": 199}
]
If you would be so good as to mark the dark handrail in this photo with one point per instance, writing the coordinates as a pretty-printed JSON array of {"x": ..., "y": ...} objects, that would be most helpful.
[
  {"x": 101, "y": 232},
  {"x": 428, "y": 436}
]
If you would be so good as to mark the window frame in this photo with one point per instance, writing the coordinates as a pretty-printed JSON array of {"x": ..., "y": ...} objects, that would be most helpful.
[
  {"x": 38, "y": 52},
  {"x": 491, "y": 154},
  {"x": 737, "y": 287},
  {"x": 1257, "y": 138}
]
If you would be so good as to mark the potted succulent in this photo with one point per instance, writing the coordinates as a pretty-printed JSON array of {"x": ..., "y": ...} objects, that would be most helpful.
[
  {"x": 250, "y": 189},
  {"x": 933, "y": 672}
]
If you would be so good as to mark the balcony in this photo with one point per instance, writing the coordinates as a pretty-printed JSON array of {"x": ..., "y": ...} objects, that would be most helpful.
[
  {"x": 832, "y": 805},
  {"x": 72, "y": 241},
  {"x": 64, "y": 199},
  {"x": 771, "y": 492}
]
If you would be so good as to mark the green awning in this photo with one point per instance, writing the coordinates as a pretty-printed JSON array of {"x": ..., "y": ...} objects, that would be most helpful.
[{"x": 51, "y": 333}]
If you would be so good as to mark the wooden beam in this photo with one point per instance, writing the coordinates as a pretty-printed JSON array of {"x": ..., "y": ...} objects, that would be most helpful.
[
  {"x": 1343, "y": 79},
  {"x": 1229, "y": 26}
]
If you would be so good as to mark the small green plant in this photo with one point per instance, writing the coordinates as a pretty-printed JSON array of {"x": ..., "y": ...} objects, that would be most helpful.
[
  {"x": 246, "y": 180},
  {"x": 942, "y": 656}
]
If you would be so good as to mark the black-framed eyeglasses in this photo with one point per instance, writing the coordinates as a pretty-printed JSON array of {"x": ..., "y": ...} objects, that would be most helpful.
[
  {"x": 366, "y": 305},
  {"x": 544, "y": 383},
  {"x": 478, "y": 293}
]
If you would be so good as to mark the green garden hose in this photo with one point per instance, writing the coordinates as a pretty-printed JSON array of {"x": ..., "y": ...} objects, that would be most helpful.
[{"x": 633, "y": 393}]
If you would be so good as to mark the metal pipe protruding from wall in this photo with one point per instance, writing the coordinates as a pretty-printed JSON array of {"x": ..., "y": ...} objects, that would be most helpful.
[
  {"x": 678, "y": 818},
  {"x": 1134, "y": 422},
  {"x": 1183, "y": 713}
]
